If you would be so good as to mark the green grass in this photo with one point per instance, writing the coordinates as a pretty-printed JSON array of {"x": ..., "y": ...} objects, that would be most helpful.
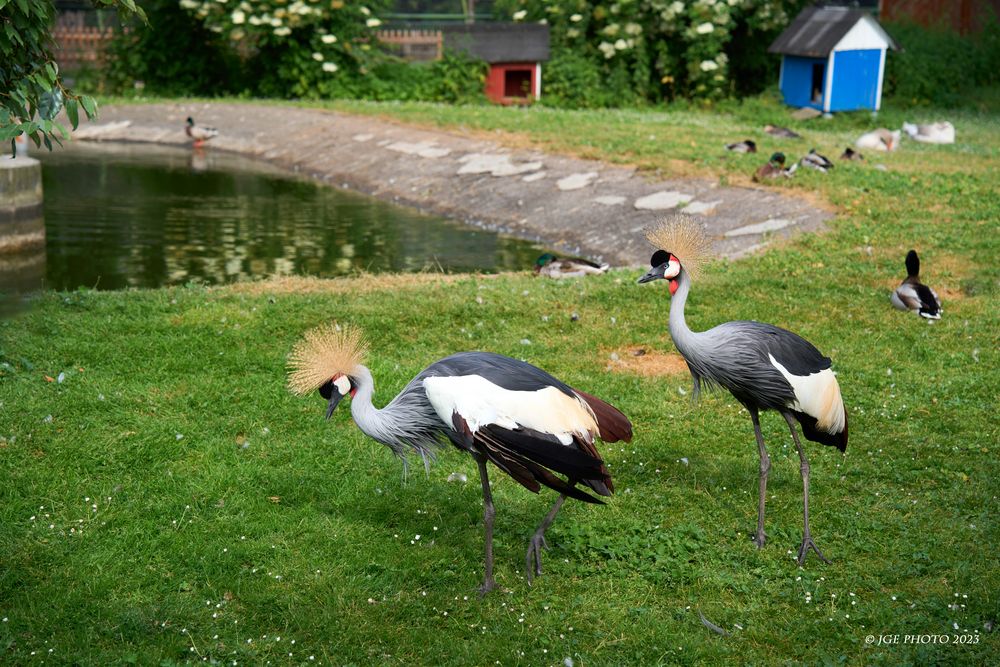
[{"x": 265, "y": 519}]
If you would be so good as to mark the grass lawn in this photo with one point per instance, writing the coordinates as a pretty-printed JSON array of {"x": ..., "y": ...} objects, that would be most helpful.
[{"x": 168, "y": 501}]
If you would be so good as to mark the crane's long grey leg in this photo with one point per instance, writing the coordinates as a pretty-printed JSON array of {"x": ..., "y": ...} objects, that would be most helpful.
[
  {"x": 533, "y": 559},
  {"x": 807, "y": 541},
  {"x": 765, "y": 466},
  {"x": 488, "y": 512}
]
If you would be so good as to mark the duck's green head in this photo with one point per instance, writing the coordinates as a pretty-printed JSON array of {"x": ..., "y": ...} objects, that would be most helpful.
[
  {"x": 778, "y": 159},
  {"x": 190, "y": 120},
  {"x": 544, "y": 260}
]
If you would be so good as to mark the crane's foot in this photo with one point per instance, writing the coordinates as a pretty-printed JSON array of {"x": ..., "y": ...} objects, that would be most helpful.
[
  {"x": 488, "y": 585},
  {"x": 759, "y": 539},
  {"x": 533, "y": 559},
  {"x": 807, "y": 544}
]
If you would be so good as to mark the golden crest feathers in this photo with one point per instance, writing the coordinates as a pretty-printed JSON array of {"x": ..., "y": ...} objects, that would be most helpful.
[
  {"x": 682, "y": 237},
  {"x": 322, "y": 353}
]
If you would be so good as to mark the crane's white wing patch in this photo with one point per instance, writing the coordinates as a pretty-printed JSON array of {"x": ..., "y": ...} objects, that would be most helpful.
[
  {"x": 817, "y": 395},
  {"x": 480, "y": 402}
]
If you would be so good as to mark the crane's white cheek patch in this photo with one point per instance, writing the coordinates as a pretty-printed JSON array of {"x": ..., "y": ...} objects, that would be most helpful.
[
  {"x": 343, "y": 385},
  {"x": 480, "y": 402},
  {"x": 817, "y": 395}
]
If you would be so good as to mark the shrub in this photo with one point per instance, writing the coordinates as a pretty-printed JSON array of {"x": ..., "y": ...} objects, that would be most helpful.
[
  {"x": 172, "y": 54},
  {"x": 938, "y": 66},
  {"x": 651, "y": 50}
]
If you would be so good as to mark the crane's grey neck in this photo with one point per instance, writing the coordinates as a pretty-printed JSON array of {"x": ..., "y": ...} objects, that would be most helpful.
[
  {"x": 683, "y": 337},
  {"x": 406, "y": 424},
  {"x": 368, "y": 418}
]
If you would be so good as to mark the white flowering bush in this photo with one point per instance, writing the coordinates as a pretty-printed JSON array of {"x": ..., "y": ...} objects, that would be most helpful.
[
  {"x": 652, "y": 49},
  {"x": 297, "y": 48}
]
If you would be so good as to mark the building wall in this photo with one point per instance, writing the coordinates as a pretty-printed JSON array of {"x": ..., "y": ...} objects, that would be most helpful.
[
  {"x": 855, "y": 80},
  {"x": 796, "y": 81},
  {"x": 963, "y": 16}
]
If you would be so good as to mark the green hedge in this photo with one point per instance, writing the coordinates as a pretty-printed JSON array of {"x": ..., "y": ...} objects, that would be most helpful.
[{"x": 940, "y": 67}]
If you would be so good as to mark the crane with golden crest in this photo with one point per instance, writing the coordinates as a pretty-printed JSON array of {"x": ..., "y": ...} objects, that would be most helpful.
[
  {"x": 498, "y": 409},
  {"x": 764, "y": 367}
]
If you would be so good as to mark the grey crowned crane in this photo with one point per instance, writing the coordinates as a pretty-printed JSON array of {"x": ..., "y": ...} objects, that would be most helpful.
[
  {"x": 915, "y": 296},
  {"x": 498, "y": 409},
  {"x": 199, "y": 133},
  {"x": 763, "y": 366}
]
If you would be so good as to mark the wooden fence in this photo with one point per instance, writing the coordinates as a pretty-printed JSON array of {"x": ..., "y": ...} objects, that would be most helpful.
[
  {"x": 962, "y": 16},
  {"x": 80, "y": 46},
  {"x": 413, "y": 44}
]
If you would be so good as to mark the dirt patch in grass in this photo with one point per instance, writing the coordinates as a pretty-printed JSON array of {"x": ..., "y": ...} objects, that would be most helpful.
[
  {"x": 644, "y": 361},
  {"x": 364, "y": 283}
]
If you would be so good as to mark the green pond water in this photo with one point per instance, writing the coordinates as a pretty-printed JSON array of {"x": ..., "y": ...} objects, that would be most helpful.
[{"x": 137, "y": 215}]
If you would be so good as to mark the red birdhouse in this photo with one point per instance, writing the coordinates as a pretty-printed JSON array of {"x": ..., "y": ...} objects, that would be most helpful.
[{"x": 514, "y": 51}]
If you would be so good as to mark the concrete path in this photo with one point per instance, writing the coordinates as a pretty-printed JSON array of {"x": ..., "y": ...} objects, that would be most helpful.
[{"x": 572, "y": 205}]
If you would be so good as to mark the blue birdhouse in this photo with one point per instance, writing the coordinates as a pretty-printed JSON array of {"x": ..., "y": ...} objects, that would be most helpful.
[{"x": 833, "y": 59}]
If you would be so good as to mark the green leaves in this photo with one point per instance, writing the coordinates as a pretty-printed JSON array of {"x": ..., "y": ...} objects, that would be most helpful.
[
  {"x": 31, "y": 92},
  {"x": 72, "y": 113},
  {"x": 89, "y": 106},
  {"x": 50, "y": 103}
]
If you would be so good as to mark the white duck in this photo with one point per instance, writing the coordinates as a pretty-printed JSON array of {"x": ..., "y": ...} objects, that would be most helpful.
[
  {"x": 935, "y": 133},
  {"x": 879, "y": 140}
]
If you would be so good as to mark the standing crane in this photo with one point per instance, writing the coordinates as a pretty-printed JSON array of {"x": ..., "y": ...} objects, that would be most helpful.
[
  {"x": 763, "y": 366},
  {"x": 498, "y": 409}
]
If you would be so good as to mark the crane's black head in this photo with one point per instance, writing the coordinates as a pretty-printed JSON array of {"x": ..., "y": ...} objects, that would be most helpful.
[
  {"x": 663, "y": 265},
  {"x": 334, "y": 391}
]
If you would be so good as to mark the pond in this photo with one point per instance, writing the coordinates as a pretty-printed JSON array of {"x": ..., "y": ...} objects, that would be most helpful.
[{"x": 140, "y": 215}]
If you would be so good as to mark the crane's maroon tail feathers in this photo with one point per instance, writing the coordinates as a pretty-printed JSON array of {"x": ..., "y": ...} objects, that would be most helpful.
[
  {"x": 613, "y": 424},
  {"x": 809, "y": 430}
]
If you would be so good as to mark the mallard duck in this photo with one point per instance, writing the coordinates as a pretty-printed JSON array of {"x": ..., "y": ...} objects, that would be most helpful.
[
  {"x": 747, "y": 146},
  {"x": 879, "y": 140},
  {"x": 200, "y": 133},
  {"x": 814, "y": 160},
  {"x": 935, "y": 133},
  {"x": 914, "y": 295},
  {"x": 554, "y": 267},
  {"x": 782, "y": 132},
  {"x": 775, "y": 168},
  {"x": 851, "y": 154}
]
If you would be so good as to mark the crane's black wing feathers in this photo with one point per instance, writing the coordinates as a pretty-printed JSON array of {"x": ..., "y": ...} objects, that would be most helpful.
[
  {"x": 795, "y": 353},
  {"x": 526, "y": 455}
]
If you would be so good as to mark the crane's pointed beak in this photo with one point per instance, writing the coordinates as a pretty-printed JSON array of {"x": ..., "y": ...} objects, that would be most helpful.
[
  {"x": 654, "y": 273},
  {"x": 335, "y": 399}
]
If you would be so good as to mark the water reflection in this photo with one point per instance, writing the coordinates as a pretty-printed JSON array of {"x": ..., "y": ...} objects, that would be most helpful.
[{"x": 143, "y": 216}]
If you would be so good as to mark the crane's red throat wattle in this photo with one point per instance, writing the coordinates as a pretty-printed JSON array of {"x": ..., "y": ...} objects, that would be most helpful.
[{"x": 673, "y": 286}]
